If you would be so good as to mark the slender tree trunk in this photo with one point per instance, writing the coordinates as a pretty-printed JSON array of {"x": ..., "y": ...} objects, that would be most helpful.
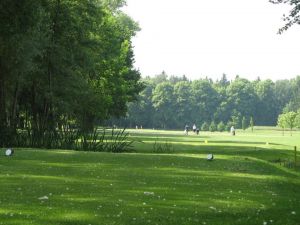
[
  {"x": 48, "y": 117},
  {"x": 2, "y": 98},
  {"x": 35, "y": 128},
  {"x": 13, "y": 115},
  {"x": 4, "y": 132}
]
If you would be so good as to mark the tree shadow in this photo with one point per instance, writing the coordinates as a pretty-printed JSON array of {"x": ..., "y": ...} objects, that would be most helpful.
[{"x": 102, "y": 188}]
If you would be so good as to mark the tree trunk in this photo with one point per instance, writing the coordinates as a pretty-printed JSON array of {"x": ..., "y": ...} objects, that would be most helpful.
[
  {"x": 4, "y": 133},
  {"x": 2, "y": 98},
  {"x": 48, "y": 116},
  {"x": 13, "y": 117}
]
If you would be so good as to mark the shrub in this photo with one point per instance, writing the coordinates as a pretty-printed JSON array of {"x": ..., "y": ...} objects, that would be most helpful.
[
  {"x": 221, "y": 126},
  {"x": 212, "y": 126},
  {"x": 205, "y": 127}
]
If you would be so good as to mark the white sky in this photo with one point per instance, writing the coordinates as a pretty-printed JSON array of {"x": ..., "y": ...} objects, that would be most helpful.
[{"x": 201, "y": 38}]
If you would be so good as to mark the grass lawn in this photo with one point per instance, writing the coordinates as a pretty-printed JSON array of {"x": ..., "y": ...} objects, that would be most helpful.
[{"x": 241, "y": 186}]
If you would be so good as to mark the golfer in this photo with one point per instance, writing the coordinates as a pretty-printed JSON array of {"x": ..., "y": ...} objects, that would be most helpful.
[
  {"x": 194, "y": 128},
  {"x": 232, "y": 130}
]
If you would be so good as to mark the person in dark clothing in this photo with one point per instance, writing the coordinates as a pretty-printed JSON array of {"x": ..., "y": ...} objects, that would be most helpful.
[{"x": 186, "y": 129}]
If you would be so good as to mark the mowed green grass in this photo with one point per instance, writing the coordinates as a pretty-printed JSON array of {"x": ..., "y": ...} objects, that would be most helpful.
[{"x": 241, "y": 186}]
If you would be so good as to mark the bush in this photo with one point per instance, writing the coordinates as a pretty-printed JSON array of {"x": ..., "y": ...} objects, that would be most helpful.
[
  {"x": 212, "y": 126},
  {"x": 221, "y": 126},
  {"x": 205, "y": 127}
]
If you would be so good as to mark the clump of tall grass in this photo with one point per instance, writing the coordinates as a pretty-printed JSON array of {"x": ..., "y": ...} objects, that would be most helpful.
[
  {"x": 99, "y": 140},
  {"x": 165, "y": 147}
]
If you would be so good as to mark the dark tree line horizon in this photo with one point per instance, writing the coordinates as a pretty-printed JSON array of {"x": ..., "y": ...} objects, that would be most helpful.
[{"x": 170, "y": 102}]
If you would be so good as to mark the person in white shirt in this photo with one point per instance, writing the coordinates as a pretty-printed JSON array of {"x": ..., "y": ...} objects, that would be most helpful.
[
  {"x": 232, "y": 130},
  {"x": 194, "y": 128}
]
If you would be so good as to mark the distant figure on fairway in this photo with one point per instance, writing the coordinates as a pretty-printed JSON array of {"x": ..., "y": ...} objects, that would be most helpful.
[
  {"x": 186, "y": 129},
  {"x": 232, "y": 130},
  {"x": 194, "y": 128},
  {"x": 197, "y": 131}
]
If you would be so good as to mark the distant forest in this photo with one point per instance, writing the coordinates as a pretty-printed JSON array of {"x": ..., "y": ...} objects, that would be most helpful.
[{"x": 170, "y": 102}]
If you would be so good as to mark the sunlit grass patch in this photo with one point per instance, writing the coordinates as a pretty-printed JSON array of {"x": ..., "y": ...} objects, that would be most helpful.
[{"x": 240, "y": 186}]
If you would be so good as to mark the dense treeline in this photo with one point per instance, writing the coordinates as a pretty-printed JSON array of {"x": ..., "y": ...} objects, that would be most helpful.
[
  {"x": 172, "y": 102},
  {"x": 63, "y": 63}
]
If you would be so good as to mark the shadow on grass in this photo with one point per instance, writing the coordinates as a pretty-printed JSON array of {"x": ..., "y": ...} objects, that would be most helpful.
[{"x": 101, "y": 188}]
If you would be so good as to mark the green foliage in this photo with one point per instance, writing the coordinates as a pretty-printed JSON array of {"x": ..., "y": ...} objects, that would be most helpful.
[
  {"x": 267, "y": 102},
  {"x": 244, "y": 123},
  {"x": 64, "y": 61},
  {"x": 183, "y": 102},
  {"x": 171, "y": 102},
  {"x": 204, "y": 99},
  {"x": 221, "y": 126},
  {"x": 293, "y": 17},
  {"x": 236, "y": 120},
  {"x": 229, "y": 125},
  {"x": 251, "y": 123},
  {"x": 298, "y": 119},
  {"x": 100, "y": 141},
  {"x": 281, "y": 121},
  {"x": 163, "y": 100},
  {"x": 205, "y": 126},
  {"x": 165, "y": 147},
  {"x": 92, "y": 141},
  {"x": 288, "y": 120},
  {"x": 212, "y": 126},
  {"x": 118, "y": 142}
]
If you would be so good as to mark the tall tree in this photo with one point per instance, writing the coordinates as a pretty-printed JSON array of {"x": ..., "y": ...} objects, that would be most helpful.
[
  {"x": 163, "y": 102},
  {"x": 20, "y": 30},
  {"x": 204, "y": 100},
  {"x": 266, "y": 109},
  {"x": 241, "y": 98},
  {"x": 183, "y": 109},
  {"x": 63, "y": 60}
]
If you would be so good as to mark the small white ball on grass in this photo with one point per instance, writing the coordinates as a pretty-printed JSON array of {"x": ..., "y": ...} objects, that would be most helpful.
[
  {"x": 9, "y": 152},
  {"x": 210, "y": 157}
]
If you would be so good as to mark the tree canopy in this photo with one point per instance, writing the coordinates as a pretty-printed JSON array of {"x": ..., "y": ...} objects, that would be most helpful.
[
  {"x": 64, "y": 62},
  {"x": 240, "y": 102},
  {"x": 293, "y": 16}
]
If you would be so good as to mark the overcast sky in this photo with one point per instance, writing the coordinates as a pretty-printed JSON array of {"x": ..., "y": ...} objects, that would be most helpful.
[{"x": 201, "y": 38}]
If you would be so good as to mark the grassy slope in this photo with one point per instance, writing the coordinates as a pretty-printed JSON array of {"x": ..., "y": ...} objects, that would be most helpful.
[{"x": 240, "y": 187}]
